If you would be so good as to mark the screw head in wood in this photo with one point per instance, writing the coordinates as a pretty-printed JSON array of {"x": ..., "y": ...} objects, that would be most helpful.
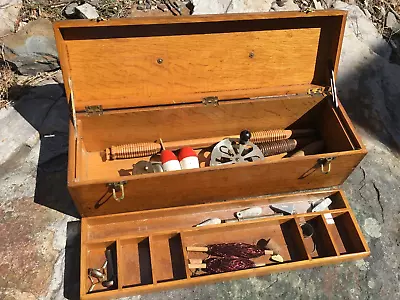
[
  {"x": 251, "y": 54},
  {"x": 160, "y": 61}
]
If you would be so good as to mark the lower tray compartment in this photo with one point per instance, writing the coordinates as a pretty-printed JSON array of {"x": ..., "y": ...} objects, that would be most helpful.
[
  {"x": 167, "y": 257},
  {"x": 317, "y": 237},
  {"x": 96, "y": 258},
  {"x": 284, "y": 235},
  {"x": 153, "y": 257},
  {"x": 344, "y": 234},
  {"x": 135, "y": 266}
]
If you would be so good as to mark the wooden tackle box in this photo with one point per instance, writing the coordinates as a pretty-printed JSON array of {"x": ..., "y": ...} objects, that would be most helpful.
[{"x": 199, "y": 77}]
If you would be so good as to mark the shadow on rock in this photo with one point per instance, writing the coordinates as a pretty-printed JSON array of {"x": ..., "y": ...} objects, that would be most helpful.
[
  {"x": 72, "y": 260},
  {"x": 46, "y": 109},
  {"x": 368, "y": 83}
]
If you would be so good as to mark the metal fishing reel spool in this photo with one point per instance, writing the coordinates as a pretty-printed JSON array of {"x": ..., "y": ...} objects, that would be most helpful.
[{"x": 232, "y": 151}]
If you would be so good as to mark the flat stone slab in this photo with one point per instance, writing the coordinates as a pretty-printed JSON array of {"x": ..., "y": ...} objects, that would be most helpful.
[{"x": 33, "y": 48}]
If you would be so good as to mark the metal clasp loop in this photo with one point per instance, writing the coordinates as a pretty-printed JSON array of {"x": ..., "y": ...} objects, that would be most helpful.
[
  {"x": 326, "y": 164},
  {"x": 118, "y": 187}
]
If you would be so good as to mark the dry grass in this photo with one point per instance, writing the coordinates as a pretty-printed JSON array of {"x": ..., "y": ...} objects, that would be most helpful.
[
  {"x": 115, "y": 8},
  {"x": 7, "y": 80},
  {"x": 49, "y": 9},
  {"x": 53, "y": 9}
]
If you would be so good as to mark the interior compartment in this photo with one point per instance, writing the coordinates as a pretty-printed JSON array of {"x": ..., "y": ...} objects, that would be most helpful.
[
  {"x": 228, "y": 118},
  {"x": 345, "y": 234},
  {"x": 95, "y": 258},
  {"x": 283, "y": 232},
  {"x": 167, "y": 257},
  {"x": 320, "y": 243},
  {"x": 135, "y": 265},
  {"x": 122, "y": 225}
]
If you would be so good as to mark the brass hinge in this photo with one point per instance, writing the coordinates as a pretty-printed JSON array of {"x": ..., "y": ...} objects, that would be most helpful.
[
  {"x": 94, "y": 110},
  {"x": 213, "y": 100},
  {"x": 320, "y": 91}
]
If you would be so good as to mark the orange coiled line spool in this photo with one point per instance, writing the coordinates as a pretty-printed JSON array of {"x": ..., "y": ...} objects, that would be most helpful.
[
  {"x": 277, "y": 147},
  {"x": 270, "y": 135},
  {"x": 132, "y": 150}
]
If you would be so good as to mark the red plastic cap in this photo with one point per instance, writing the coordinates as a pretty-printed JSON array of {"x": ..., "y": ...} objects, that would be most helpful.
[
  {"x": 186, "y": 152},
  {"x": 167, "y": 155}
]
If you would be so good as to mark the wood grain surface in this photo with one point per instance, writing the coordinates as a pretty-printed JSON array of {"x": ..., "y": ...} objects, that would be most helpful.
[{"x": 132, "y": 63}]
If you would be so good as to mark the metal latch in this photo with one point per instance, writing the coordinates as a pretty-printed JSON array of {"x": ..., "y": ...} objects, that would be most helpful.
[
  {"x": 94, "y": 110},
  {"x": 118, "y": 187},
  {"x": 326, "y": 164},
  {"x": 212, "y": 100}
]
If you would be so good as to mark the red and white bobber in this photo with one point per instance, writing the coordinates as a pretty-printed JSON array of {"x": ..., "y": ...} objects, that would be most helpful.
[
  {"x": 188, "y": 158},
  {"x": 169, "y": 161}
]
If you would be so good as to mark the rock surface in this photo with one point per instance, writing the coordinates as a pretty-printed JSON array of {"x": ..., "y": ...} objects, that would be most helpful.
[
  {"x": 9, "y": 11},
  {"x": 87, "y": 11},
  {"x": 70, "y": 10},
  {"x": 288, "y": 6},
  {"x": 33, "y": 48},
  {"x": 392, "y": 22},
  {"x": 367, "y": 80},
  {"x": 210, "y": 7},
  {"x": 242, "y": 6}
]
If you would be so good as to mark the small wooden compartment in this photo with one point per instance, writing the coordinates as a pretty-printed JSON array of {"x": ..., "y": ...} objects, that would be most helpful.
[
  {"x": 343, "y": 233},
  {"x": 135, "y": 262},
  {"x": 93, "y": 255},
  {"x": 283, "y": 231},
  {"x": 167, "y": 255},
  {"x": 152, "y": 245}
]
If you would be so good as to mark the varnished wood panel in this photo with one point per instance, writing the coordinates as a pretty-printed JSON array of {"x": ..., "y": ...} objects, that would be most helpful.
[
  {"x": 215, "y": 184},
  {"x": 193, "y": 66},
  {"x": 224, "y": 56},
  {"x": 192, "y": 121}
]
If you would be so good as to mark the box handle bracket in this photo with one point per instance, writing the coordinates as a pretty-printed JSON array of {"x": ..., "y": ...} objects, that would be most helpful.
[
  {"x": 325, "y": 164},
  {"x": 118, "y": 187}
]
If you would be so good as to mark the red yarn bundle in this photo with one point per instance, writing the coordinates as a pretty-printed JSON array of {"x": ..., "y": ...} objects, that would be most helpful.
[
  {"x": 216, "y": 265},
  {"x": 242, "y": 250}
]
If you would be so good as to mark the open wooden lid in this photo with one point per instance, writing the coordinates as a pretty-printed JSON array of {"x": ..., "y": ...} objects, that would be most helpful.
[{"x": 157, "y": 61}]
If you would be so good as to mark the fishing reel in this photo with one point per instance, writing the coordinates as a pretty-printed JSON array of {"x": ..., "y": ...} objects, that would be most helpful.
[{"x": 232, "y": 151}]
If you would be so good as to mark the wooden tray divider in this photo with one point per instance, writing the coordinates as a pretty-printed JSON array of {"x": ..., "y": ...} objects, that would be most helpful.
[
  {"x": 186, "y": 257},
  {"x": 84, "y": 270},
  {"x": 349, "y": 234},
  {"x": 119, "y": 264},
  {"x": 299, "y": 231},
  {"x": 321, "y": 237},
  {"x": 330, "y": 235},
  {"x": 152, "y": 258},
  {"x": 294, "y": 242}
]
